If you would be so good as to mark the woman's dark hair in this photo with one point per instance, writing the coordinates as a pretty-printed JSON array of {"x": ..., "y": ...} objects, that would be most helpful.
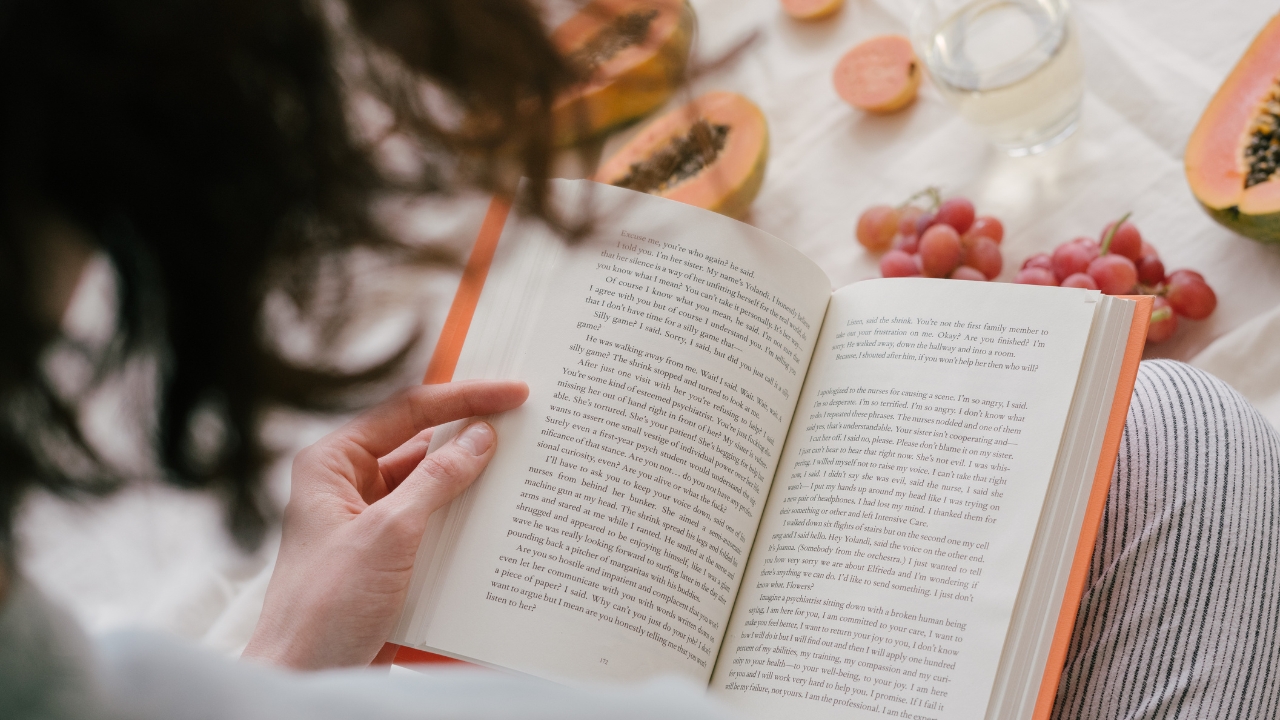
[{"x": 205, "y": 146}]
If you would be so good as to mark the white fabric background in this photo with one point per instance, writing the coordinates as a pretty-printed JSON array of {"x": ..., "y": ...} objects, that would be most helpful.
[{"x": 155, "y": 557}]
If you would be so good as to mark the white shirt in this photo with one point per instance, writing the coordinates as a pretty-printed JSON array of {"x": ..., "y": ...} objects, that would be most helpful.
[{"x": 50, "y": 669}]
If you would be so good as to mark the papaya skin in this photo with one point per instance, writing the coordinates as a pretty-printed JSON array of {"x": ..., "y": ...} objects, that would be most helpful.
[
  {"x": 730, "y": 183},
  {"x": 1263, "y": 228},
  {"x": 634, "y": 83},
  {"x": 1213, "y": 158},
  {"x": 736, "y": 203}
]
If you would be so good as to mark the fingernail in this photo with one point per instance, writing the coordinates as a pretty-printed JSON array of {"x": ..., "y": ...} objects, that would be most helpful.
[{"x": 477, "y": 438}]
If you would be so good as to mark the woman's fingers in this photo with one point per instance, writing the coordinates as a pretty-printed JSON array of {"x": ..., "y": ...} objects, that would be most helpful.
[
  {"x": 443, "y": 474},
  {"x": 384, "y": 428},
  {"x": 397, "y": 464}
]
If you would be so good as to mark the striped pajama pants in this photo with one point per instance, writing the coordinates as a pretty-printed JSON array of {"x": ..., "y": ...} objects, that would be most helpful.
[{"x": 1181, "y": 613}]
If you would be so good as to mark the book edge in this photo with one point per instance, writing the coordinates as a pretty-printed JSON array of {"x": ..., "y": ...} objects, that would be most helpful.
[
  {"x": 1094, "y": 511},
  {"x": 444, "y": 360}
]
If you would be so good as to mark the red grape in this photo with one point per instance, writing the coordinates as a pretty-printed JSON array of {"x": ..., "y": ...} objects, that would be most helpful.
[
  {"x": 1127, "y": 241},
  {"x": 876, "y": 227},
  {"x": 1087, "y": 242},
  {"x": 1185, "y": 271},
  {"x": 987, "y": 226},
  {"x": 897, "y": 263},
  {"x": 1115, "y": 274},
  {"x": 964, "y": 272},
  {"x": 1163, "y": 321},
  {"x": 984, "y": 256},
  {"x": 1035, "y": 275},
  {"x": 958, "y": 213},
  {"x": 924, "y": 222},
  {"x": 934, "y": 243},
  {"x": 1189, "y": 295},
  {"x": 1080, "y": 280},
  {"x": 1040, "y": 260},
  {"x": 907, "y": 218},
  {"x": 1072, "y": 258},
  {"x": 1150, "y": 270},
  {"x": 939, "y": 250},
  {"x": 1127, "y": 261}
]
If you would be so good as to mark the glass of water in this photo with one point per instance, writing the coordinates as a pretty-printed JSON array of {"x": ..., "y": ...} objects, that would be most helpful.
[{"x": 1011, "y": 68}]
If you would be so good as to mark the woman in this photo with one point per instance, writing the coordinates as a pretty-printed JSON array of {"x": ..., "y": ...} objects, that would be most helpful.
[{"x": 205, "y": 148}]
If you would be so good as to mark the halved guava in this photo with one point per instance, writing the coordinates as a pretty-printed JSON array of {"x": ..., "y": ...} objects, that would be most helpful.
[{"x": 811, "y": 9}]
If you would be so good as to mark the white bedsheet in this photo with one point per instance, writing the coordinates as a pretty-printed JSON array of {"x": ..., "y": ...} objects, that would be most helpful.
[{"x": 155, "y": 557}]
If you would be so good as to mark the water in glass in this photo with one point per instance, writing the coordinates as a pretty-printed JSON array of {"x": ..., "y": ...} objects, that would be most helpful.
[{"x": 1011, "y": 67}]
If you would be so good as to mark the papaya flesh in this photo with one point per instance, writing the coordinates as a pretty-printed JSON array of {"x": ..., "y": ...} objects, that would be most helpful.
[
  {"x": 1233, "y": 154},
  {"x": 631, "y": 55},
  {"x": 711, "y": 153}
]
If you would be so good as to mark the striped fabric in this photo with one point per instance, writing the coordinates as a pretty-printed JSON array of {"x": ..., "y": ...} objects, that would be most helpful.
[{"x": 1181, "y": 617}]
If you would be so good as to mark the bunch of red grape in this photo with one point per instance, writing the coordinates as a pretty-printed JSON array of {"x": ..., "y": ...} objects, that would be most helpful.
[
  {"x": 945, "y": 240},
  {"x": 1122, "y": 263}
]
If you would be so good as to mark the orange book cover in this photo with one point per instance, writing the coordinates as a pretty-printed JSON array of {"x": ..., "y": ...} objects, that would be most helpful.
[{"x": 445, "y": 358}]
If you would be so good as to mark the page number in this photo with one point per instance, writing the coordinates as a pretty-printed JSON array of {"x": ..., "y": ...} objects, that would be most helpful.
[{"x": 604, "y": 661}]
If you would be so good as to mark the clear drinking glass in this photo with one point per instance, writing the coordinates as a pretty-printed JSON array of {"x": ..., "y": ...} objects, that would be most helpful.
[{"x": 1011, "y": 68}]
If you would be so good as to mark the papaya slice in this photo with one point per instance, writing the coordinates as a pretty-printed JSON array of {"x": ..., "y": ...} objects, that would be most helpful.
[
  {"x": 631, "y": 54},
  {"x": 811, "y": 9},
  {"x": 1233, "y": 155},
  {"x": 710, "y": 153}
]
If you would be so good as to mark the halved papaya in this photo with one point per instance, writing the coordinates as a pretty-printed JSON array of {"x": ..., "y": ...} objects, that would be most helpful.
[
  {"x": 1233, "y": 154},
  {"x": 710, "y": 153},
  {"x": 632, "y": 54}
]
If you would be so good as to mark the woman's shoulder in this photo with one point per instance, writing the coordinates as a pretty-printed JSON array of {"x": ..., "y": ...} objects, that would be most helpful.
[{"x": 46, "y": 660}]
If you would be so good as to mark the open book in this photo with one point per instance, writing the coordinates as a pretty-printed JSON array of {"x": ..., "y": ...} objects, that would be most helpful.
[{"x": 878, "y": 501}]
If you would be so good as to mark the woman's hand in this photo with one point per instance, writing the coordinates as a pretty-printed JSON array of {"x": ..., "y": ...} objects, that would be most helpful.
[{"x": 358, "y": 506}]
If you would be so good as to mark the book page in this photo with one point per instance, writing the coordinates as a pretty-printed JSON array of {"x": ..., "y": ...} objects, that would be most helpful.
[
  {"x": 896, "y": 537},
  {"x": 608, "y": 537}
]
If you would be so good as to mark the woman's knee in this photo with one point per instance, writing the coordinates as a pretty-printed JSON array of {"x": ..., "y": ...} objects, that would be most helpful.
[
  {"x": 1187, "y": 430},
  {"x": 1183, "y": 571}
]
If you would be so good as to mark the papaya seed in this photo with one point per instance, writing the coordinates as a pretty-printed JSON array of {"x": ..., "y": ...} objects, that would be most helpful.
[
  {"x": 1262, "y": 148},
  {"x": 680, "y": 159},
  {"x": 625, "y": 30}
]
